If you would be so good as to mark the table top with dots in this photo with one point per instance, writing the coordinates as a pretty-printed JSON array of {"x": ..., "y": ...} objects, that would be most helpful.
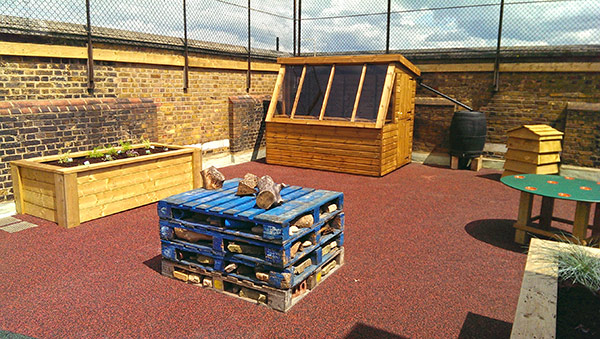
[{"x": 554, "y": 186}]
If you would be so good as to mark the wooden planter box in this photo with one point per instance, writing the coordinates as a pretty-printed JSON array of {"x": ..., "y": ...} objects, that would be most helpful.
[
  {"x": 70, "y": 196},
  {"x": 536, "y": 311}
]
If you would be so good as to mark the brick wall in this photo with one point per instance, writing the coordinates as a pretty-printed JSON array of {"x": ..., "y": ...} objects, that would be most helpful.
[
  {"x": 581, "y": 143},
  {"x": 432, "y": 125},
  {"x": 33, "y": 128},
  {"x": 196, "y": 116},
  {"x": 247, "y": 122}
]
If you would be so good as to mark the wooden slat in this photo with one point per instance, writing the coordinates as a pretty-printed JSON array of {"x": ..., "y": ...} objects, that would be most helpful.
[
  {"x": 298, "y": 120},
  {"x": 138, "y": 200},
  {"x": 40, "y": 211},
  {"x": 534, "y": 146},
  {"x": 39, "y": 187},
  {"x": 330, "y": 157},
  {"x": 523, "y": 167},
  {"x": 116, "y": 55},
  {"x": 66, "y": 200},
  {"x": 352, "y": 59},
  {"x": 125, "y": 180},
  {"x": 276, "y": 91},
  {"x": 38, "y": 199},
  {"x": 371, "y": 171},
  {"x": 385, "y": 96},
  {"x": 359, "y": 92},
  {"x": 197, "y": 169},
  {"x": 15, "y": 173},
  {"x": 140, "y": 167},
  {"x": 36, "y": 175},
  {"x": 365, "y": 149},
  {"x": 327, "y": 91},
  {"x": 126, "y": 192},
  {"x": 297, "y": 98},
  {"x": 337, "y": 131}
]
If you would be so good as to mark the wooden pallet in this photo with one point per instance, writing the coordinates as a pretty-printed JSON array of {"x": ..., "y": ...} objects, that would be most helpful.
[
  {"x": 261, "y": 251},
  {"x": 277, "y": 299},
  {"x": 304, "y": 263},
  {"x": 222, "y": 208}
]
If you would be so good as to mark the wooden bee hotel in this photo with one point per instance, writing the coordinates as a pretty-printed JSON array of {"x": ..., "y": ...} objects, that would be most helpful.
[{"x": 350, "y": 114}]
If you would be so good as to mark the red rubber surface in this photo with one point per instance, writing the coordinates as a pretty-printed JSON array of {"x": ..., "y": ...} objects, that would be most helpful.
[{"x": 429, "y": 254}]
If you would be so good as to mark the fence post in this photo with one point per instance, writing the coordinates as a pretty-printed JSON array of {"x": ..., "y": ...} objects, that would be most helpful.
[
  {"x": 248, "y": 71},
  {"x": 294, "y": 53},
  {"x": 387, "y": 39},
  {"x": 90, "y": 60},
  {"x": 185, "y": 50},
  {"x": 497, "y": 60},
  {"x": 299, "y": 25}
]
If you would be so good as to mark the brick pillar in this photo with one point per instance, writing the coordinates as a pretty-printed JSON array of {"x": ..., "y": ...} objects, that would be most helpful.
[{"x": 246, "y": 122}]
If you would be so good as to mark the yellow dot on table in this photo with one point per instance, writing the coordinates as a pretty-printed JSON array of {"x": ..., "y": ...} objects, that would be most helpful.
[{"x": 585, "y": 188}]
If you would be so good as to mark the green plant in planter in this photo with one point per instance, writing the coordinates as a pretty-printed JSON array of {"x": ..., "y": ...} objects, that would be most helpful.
[
  {"x": 132, "y": 153},
  {"x": 147, "y": 145},
  {"x": 577, "y": 265},
  {"x": 64, "y": 157},
  {"x": 110, "y": 152},
  {"x": 95, "y": 153},
  {"x": 125, "y": 146}
]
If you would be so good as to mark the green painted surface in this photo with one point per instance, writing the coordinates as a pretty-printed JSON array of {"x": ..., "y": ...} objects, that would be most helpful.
[{"x": 555, "y": 186}]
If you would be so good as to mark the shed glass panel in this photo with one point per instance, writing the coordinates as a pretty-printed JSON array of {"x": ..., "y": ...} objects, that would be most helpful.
[
  {"x": 343, "y": 91},
  {"x": 313, "y": 91}
]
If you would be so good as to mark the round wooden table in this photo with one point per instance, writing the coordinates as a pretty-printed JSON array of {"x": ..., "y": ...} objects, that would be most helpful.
[{"x": 550, "y": 187}]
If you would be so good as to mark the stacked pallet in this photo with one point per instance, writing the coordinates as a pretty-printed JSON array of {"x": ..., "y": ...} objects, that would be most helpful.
[
  {"x": 533, "y": 149},
  {"x": 221, "y": 241}
]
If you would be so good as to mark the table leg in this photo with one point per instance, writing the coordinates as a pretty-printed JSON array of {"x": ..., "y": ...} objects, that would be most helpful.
[
  {"x": 525, "y": 205},
  {"x": 580, "y": 222},
  {"x": 596, "y": 225},
  {"x": 546, "y": 212}
]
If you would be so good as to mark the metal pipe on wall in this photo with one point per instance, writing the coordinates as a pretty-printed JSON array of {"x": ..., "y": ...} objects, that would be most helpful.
[
  {"x": 299, "y": 25},
  {"x": 387, "y": 38},
  {"x": 249, "y": 55},
  {"x": 497, "y": 60},
  {"x": 185, "y": 52},
  {"x": 294, "y": 21},
  {"x": 90, "y": 59}
]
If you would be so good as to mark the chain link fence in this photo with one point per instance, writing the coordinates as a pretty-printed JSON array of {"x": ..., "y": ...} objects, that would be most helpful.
[{"x": 325, "y": 26}]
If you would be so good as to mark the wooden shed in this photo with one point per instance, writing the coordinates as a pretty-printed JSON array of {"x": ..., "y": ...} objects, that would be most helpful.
[{"x": 350, "y": 114}]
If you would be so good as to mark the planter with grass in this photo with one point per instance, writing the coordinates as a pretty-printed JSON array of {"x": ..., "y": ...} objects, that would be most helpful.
[
  {"x": 72, "y": 188},
  {"x": 560, "y": 293}
]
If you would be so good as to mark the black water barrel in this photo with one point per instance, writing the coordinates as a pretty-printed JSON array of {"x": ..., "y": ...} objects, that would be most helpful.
[{"x": 467, "y": 134}]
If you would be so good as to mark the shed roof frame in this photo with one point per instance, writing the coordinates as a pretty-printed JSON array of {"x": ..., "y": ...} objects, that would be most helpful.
[{"x": 393, "y": 61}]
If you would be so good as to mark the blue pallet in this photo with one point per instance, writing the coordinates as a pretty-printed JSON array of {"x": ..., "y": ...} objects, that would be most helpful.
[
  {"x": 275, "y": 255},
  {"x": 203, "y": 207},
  {"x": 279, "y": 278}
]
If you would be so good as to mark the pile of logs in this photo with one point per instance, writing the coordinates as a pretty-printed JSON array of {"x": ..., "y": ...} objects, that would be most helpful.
[{"x": 266, "y": 190}]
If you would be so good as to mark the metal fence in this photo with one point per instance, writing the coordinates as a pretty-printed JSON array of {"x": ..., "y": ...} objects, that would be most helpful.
[{"x": 312, "y": 26}]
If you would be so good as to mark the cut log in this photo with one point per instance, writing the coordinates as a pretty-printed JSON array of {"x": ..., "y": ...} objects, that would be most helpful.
[
  {"x": 194, "y": 278},
  {"x": 262, "y": 276},
  {"x": 257, "y": 230},
  {"x": 300, "y": 268},
  {"x": 247, "y": 186},
  {"x": 252, "y": 294},
  {"x": 306, "y": 244},
  {"x": 328, "y": 248},
  {"x": 245, "y": 249},
  {"x": 268, "y": 192},
  {"x": 230, "y": 268},
  {"x": 294, "y": 249},
  {"x": 336, "y": 222},
  {"x": 328, "y": 268},
  {"x": 191, "y": 236},
  {"x": 294, "y": 229},
  {"x": 205, "y": 260},
  {"x": 207, "y": 282},
  {"x": 213, "y": 179},
  {"x": 326, "y": 230},
  {"x": 304, "y": 221}
]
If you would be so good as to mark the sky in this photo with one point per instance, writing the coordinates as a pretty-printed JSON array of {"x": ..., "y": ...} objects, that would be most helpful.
[{"x": 415, "y": 24}]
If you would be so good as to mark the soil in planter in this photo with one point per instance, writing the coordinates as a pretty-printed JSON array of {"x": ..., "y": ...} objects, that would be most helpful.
[
  {"x": 578, "y": 312},
  {"x": 81, "y": 160}
]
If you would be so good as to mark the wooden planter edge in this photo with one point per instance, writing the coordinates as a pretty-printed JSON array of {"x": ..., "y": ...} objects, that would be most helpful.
[
  {"x": 65, "y": 179},
  {"x": 535, "y": 316}
]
